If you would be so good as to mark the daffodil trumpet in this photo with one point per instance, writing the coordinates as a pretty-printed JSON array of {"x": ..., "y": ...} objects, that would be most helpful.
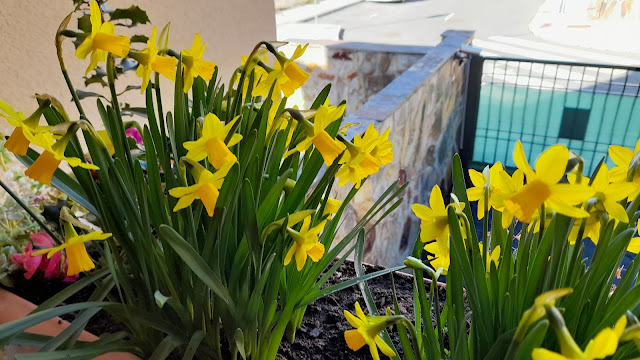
[{"x": 18, "y": 142}]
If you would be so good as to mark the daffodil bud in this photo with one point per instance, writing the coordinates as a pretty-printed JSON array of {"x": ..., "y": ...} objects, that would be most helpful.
[
  {"x": 568, "y": 346},
  {"x": 293, "y": 219}
]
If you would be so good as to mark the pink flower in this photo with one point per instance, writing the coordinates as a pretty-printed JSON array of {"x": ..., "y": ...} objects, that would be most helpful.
[
  {"x": 42, "y": 239},
  {"x": 134, "y": 133},
  {"x": 52, "y": 270},
  {"x": 29, "y": 262}
]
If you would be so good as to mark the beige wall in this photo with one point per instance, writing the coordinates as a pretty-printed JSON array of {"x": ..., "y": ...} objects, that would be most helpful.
[{"x": 28, "y": 64}]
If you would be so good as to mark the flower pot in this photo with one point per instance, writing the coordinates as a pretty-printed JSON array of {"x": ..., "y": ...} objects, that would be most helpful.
[{"x": 13, "y": 307}]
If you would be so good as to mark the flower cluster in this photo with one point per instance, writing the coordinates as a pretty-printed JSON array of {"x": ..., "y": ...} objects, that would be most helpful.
[{"x": 589, "y": 201}]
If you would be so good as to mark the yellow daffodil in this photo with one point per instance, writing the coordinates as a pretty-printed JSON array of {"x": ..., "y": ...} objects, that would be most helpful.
[
  {"x": 494, "y": 256},
  {"x": 53, "y": 154},
  {"x": 434, "y": 219},
  {"x": 260, "y": 75},
  {"x": 149, "y": 60},
  {"x": 206, "y": 189},
  {"x": 104, "y": 135},
  {"x": 506, "y": 186},
  {"x": 357, "y": 164},
  {"x": 18, "y": 143},
  {"x": 537, "y": 311},
  {"x": 543, "y": 186},
  {"x": 607, "y": 194},
  {"x": 193, "y": 64},
  {"x": 434, "y": 225},
  {"x": 623, "y": 157},
  {"x": 483, "y": 181},
  {"x": 634, "y": 244},
  {"x": 382, "y": 149},
  {"x": 101, "y": 40},
  {"x": 212, "y": 142},
  {"x": 603, "y": 345},
  {"x": 77, "y": 255},
  {"x": 606, "y": 201},
  {"x": 305, "y": 244},
  {"x": 286, "y": 75},
  {"x": 591, "y": 228},
  {"x": 328, "y": 147},
  {"x": 439, "y": 254},
  {"x": 331, "y": 207},
  {"x": 366, "y": 332},
  {"x": 281, "y": 122}
]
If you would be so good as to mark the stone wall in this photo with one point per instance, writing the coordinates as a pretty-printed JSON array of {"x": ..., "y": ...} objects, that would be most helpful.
[
  {"x": 357, "y": 71},
  {"x": 424, "y": 108}
]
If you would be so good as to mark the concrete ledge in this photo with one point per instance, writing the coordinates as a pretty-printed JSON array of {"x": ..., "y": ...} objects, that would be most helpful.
[{"x": 381, "y": 105}]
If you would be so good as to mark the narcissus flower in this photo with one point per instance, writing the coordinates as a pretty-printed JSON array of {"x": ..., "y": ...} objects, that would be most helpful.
[
  {"x": 483, "y": 182},
  {"x": 212, "y": 142},
  {"x": 434, "y": 225},
  {"x": 77, "y": 256},
  {"x": 53, "y": 154},
  {"x": 634, "y": 244},
  {"x": 193, "y": 64},
  {"x": 101, "y": 40},
  {"x": 604, "y": 201},
  {"x": 18, "y": 143},
  {"x": 305, "y": 244},
  {"x": 286, "y": 75},
  {"x": 434, "y": 219},
  {"x": 328, "y": 147},
  {"x": 366, "y": 332},
  {"x": 331, "y": 207},
  {"x": 206, "y": 189},
  {"x": 149, "y": 60},
  {"x": 382, "y": 149},
  {"x": 603, "y": 345},
  {"x": 543, "y": 186},
  {"x": 357, "y": 164},
  {"x": 537, "y": 311},
  {"x": 494, "y": 256},
  {"x": 623, "y": 157},
  {"x": 259, "y": 76},
  {"x": 506, "y": 186}
]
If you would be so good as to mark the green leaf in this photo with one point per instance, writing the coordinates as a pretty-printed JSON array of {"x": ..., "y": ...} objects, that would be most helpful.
[
  {"x": 166, "y": 346},
  {"x": 133, "y": 13},
  {"x": 534, "y": 339},
  {"x": 196, "y": 264},
  {"x": 193, "y": 345},
  {"x": 14, "y": 327},
  {"x": 343, "y": 285}
]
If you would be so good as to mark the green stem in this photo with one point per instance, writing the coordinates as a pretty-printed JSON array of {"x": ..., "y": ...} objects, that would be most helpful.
[
  {"x": 434, "y": 283},
  {"x": 485, "y": 228},
  {"x": 74, "y": 95},
  {"x": 543, "y": 220},
  {"x": 31, "y": 213},
  {"x": 414, "y": 337}
]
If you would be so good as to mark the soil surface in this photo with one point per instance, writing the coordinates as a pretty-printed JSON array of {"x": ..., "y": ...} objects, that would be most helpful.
[{"x": 321, "y": 335}]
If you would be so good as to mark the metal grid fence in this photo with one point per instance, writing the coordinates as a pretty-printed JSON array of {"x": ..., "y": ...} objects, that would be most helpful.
[{"x": 586, "y": 107}]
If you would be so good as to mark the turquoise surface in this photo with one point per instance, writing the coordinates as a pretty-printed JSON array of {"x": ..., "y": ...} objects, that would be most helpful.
[{"x": 510, "y": 113}]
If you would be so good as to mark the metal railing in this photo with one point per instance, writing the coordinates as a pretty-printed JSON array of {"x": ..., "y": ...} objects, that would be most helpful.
[{"x": 586, "y": 107}]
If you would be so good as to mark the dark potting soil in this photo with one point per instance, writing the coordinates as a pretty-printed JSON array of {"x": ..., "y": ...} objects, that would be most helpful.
[
  {"x": 321, "y": 335},
  {"x": 38, "y": 289}
]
